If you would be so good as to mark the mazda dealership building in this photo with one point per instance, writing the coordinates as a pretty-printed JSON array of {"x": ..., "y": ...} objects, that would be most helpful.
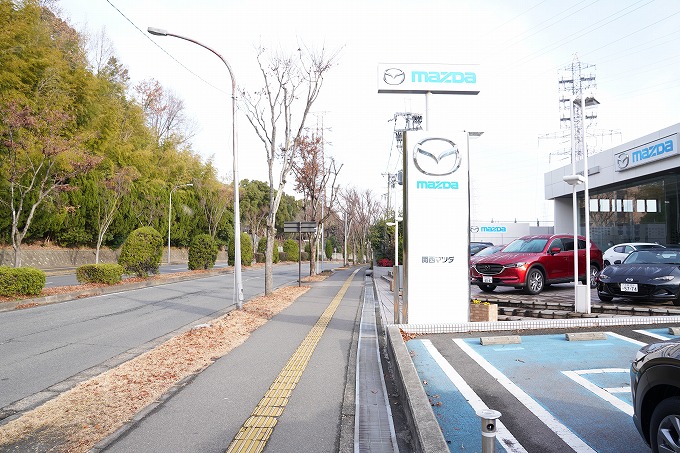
[{"x": 634, "y": 195}]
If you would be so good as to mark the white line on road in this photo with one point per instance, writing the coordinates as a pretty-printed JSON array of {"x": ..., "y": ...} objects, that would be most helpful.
[
  {"x": 504, "y": 436},
  {"x": 652, "y": 334},
  {"x": 571, "y": 439},
  {"x": 577, "y": 377}
]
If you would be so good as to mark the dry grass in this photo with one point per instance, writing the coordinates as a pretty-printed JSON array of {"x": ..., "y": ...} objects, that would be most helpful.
[{"x": 77, "y": 419}]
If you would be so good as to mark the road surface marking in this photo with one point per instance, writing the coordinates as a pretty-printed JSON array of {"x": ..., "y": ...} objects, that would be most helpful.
[
  {"x": 504, "y": 436},
  {"x": 577, "y": 376},
  {"x": 258, "y": 428},
  {"x": 571, "y": 439}
]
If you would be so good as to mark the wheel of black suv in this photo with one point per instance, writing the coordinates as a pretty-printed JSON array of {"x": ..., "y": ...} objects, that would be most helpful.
[
  {"x": 487, "y": 288},
  {"x": 593, "y": 275},
  {"x": 604, "y": 298},
  {"x": 664, "y": 426},
  {"x": 535, "y": 281}
]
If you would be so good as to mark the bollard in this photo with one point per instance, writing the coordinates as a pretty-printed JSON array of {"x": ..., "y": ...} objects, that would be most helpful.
[{"x": 488, "y": 417}]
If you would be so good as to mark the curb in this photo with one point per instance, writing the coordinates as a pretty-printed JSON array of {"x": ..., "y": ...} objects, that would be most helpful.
[
  {"x": 426, "y": 433},
  {"x": 58, "y": 298}
]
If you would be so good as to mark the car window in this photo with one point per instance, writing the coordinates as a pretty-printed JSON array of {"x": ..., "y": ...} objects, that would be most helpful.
[
  {"x": 620, "y": 249},
  {"x": 527, "y": 245},
  {"x": 628, "y": 249},
  {"x": 556, "y": 243},
  {"x": 649, "y": 246},
  {"x": 653, "y": 257},
  {"x": 582, "y": 244},
  {"x": 568, "y": 244}
]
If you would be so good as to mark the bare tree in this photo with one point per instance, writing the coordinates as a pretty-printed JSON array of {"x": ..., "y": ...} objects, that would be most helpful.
[
  {"x": 362, "y": 211},
  {"x": 111, "y": 191},
  {"x": 42, "y": 157},
  {"x": 278, "y": 113},
  {"x": 164, "y": 112},
  {"x": 213, "y": 198},
  {"x": 315, "y": 178}
]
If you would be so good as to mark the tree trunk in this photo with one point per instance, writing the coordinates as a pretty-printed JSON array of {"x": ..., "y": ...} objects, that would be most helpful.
[{"x": 269, "y": 260}]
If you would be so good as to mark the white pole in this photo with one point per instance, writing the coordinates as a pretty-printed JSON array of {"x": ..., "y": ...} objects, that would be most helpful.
[
  {"x": 169, "y": 217},
  {"x": 586, "y": 197}
]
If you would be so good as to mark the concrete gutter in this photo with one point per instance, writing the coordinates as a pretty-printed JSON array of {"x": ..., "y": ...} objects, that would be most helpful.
[
  {"x": 425, "y": 431},
  {"x": 57, "y": 298}
]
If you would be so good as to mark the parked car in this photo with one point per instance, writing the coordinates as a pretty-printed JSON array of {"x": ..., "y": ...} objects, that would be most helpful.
[
  {"x": 486, "y": 252},
  {"x": 655, "y": 387},
  {"x": 477, "y": 246},
  {"x": 652, "y": 274},
  {"x": 619, "y": 252},
  {"x": 532, "y": 262}
]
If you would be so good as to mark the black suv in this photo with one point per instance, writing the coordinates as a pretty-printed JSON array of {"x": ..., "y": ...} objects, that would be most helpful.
[{"x": 655, "y": 386}]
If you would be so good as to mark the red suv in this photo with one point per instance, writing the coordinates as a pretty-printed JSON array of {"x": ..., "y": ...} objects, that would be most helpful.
[{"x": 533, "y": 262}]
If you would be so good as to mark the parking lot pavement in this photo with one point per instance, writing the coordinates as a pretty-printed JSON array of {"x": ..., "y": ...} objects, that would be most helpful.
[{"x": 554, "y": 395}]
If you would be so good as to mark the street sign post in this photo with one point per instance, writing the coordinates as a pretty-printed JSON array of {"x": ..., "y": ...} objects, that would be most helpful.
[{"x": 299, "y": 227}]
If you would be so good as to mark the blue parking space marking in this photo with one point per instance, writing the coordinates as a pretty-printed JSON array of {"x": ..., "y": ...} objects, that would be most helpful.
[
  {"x": 542, "y": 376},
  {"x": 454, "y": 403}
]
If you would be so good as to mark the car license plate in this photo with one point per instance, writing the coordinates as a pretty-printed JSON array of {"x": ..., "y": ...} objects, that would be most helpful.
[
  {"x": 629, "y": 287},
  {"x": 486, "y": 279}
]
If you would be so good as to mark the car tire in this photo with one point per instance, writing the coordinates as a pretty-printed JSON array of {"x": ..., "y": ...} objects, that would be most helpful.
[
  {"x": 604, "y": 298},
  {"x": 593, "y": 275},
  {"x": 487, "y": 288},
  {"x": 535, "y": 281},
  {"x": 663, "y": 426}
]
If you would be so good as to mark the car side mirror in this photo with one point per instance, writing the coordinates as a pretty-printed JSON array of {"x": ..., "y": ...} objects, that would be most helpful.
[
  {"x": 555, "y": 250},
  {"x": 617, "y": 262}
]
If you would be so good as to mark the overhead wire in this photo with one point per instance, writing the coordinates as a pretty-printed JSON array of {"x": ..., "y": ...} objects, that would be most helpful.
[{"x": 164, "y": 51}]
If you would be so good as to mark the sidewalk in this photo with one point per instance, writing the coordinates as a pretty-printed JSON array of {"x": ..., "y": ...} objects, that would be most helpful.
[{"x": 338, "y": 392}]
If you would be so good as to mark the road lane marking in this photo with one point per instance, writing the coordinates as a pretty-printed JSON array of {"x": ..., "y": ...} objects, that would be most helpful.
[
  {"x": 577, "y": 376},
  {"x": 629, "y": 340},
  {"x": 571, "y": 439},
  {"x": 504, "y": 436},
  {"x": 258, "y": 428}
]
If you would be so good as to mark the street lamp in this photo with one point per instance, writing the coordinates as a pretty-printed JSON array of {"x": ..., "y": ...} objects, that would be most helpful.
[
  {"x": 238, "y": 283},
  {"x": 582, "y": 302},
  {"x": 170, "y": 213}
]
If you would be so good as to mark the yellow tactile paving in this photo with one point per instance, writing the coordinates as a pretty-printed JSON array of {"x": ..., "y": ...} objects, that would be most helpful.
[{"x": 255, "y": 432}]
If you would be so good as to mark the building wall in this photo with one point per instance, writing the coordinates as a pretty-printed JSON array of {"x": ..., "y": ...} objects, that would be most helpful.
[{"x": 609, "y": 179}]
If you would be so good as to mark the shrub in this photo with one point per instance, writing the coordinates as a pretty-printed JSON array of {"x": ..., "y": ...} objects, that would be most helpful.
[
  {"x": 202, "y": 252},
  {"x": 262, "y": 249},
  {"x": 21, "y": 281},
  {"x": 246, "y": 250},
  {"x": 385, "y": 262},
  {"x": 100, "y": 273},
  {"x": 291, "y": 249},
  {"x": 141, "y": 252},
  {"x": 304, "y": 256}
]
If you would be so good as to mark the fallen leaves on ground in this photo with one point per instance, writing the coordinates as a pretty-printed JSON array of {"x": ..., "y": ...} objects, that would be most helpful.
[{"x": 79, "y": 418}]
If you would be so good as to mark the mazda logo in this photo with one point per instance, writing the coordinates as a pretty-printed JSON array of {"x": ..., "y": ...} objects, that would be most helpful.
[
  {"x": 622, "y": 160},
  {"x": 393, "y": 76},
  {"x": 474, "y": 229},
  {"x": 436, "y": 156},
  {"x": 629, "y": 280}
]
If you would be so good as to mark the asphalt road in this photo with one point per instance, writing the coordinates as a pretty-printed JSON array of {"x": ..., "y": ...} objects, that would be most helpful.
[{"x": 46, "y": 349}]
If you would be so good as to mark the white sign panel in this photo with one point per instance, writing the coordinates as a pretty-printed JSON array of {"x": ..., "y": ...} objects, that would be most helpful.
[
  {"x": 436, "y": 227},
  {"x": 428, "y": 78},
  {"x": 659, "y": 149}
]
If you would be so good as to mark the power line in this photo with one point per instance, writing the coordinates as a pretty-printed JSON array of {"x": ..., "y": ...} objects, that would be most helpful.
[{"x": 165, "y": 51}]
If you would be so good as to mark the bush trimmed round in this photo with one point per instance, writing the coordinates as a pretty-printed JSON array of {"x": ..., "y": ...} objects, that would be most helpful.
[
  {"x": 141, "y": 252},
  {"x": 202, "y": 252}
]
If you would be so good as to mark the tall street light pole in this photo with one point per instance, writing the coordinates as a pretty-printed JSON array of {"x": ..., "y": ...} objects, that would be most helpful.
[
  {"x": 170, "y": 213},
  {"x": 238, "y": 282}
]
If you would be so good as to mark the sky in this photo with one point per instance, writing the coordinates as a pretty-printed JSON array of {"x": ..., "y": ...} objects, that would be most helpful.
[{"x": 521, "y": 46}]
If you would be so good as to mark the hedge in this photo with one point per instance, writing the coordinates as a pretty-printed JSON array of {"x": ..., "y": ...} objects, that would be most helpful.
[
  {"x": 141, "y": 253},
  {"x": 100, "y": 273},
  {"x": 202, "y": 252},
  {"x": 21, "y": 281}
]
